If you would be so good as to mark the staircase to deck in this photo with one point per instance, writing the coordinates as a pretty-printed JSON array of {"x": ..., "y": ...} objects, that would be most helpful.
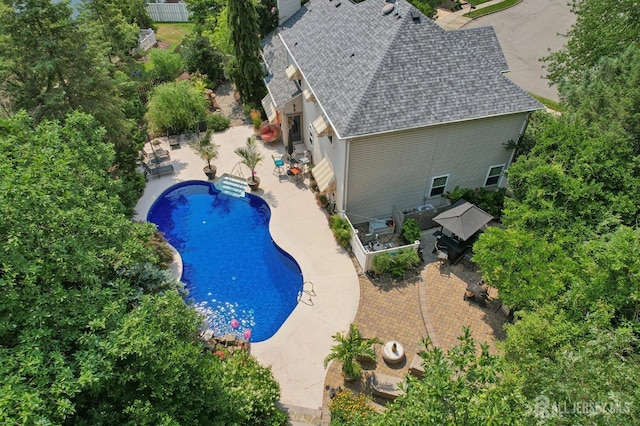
[{"x": 231, "y": 185}]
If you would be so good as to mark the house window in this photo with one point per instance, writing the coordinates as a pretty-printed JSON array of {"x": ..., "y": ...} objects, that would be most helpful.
[
  {"x": 310, "y": 134},
  {"x": 438, "y": 185},
  {"x": 493, "y": 176}
]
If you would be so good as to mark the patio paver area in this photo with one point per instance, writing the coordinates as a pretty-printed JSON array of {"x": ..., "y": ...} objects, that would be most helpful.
[{"x": 430, "y": 304}]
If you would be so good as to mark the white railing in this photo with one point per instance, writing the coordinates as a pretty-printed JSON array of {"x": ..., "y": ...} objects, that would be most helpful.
[
  {"x": 147, "y": 39},
  {"x": 168, "y": 12},
  {"x": 365, "y": 257}
]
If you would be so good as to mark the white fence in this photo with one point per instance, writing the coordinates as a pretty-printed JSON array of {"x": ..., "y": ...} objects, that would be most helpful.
[
  {"x": 168, "y": 12},
  {"x": 147, "y": 39},
  {"x": 365, "y": 257}
]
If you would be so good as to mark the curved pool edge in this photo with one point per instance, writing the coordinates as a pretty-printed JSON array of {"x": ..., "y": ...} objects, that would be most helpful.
[
  {"x": 176, "y": 265},
  {"x": 256, "y": 202}
]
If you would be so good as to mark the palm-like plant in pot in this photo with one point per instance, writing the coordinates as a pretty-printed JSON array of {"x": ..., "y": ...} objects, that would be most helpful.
[
  {"x": 251, "y": 157},
  {"x": 208, "y": 151},
  {"x": 350, "y": 349}
]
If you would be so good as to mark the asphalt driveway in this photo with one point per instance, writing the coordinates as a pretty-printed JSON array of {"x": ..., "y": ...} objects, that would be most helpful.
[{"x": 527, "y": 32}]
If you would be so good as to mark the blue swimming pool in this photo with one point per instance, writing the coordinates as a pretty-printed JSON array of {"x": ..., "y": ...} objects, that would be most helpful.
[{"x": 231, "y": 266}]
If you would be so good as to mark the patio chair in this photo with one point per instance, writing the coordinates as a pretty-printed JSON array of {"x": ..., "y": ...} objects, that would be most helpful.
[
  {"x": 157, "y": 156},
  {"x": 157, "y": 170},
  {"x": 278, "y": 165}
]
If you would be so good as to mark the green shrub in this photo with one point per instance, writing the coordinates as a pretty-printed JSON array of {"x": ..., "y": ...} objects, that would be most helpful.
[
  {"x": 407, "y": 258},
  {"x": 166, "y": 66},
  {"x": 395, "y": 264},
  {"x": 491, "y": 202},
  {"x": 323, "y": 200},
  {"x": 175, "y": 107},
  {"x": 217, "y": 122},
  {"x": 341, "y": 230},
  {"x": 382, "y": 263},
  {"x": 411, "y": 231},
  {"x": 348, "y": 408}
]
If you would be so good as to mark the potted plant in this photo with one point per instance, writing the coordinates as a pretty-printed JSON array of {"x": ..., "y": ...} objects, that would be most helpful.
[
  {"x": 208, "y": 151},
  {"x": 256, "y": 120},
  {"x": 251, "y": 156},
  {"x": 350, "y": 349}
]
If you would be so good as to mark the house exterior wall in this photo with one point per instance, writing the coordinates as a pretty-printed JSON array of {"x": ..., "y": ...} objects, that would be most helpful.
[
  {"x": 398, "y": 168},
  {"x": 332, "y": 148},
  {"x": 286, "y": 8}
]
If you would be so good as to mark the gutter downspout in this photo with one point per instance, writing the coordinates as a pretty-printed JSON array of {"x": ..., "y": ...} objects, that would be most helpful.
[{"x": 347, "y": 143}]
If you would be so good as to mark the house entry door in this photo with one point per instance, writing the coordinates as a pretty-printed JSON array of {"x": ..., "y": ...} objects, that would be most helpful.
[{"x": 295, "y": 135}]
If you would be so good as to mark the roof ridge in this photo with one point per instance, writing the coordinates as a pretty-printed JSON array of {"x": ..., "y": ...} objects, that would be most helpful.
[{"x": 377, "y": 70}]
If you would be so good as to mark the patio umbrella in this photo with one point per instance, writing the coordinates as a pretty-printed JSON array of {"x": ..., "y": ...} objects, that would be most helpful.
[
  {"x": 463, "y": 219},
  {"x": 290, "y": 146}
]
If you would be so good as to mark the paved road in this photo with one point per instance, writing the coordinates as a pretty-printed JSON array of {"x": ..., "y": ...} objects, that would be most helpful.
[{"x": 526, "y": 32}]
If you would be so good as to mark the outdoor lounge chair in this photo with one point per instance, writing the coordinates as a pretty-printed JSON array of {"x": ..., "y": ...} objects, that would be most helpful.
[
  {"x": 386, "y": 386},
  {"x": 157, "y": 170}
]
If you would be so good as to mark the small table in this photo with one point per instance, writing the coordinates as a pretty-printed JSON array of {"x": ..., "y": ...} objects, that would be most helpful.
[
  {"x": 304, "y": 161},
  {"x": 295, "y": 173},
  {"x": 393, "y": 352}
]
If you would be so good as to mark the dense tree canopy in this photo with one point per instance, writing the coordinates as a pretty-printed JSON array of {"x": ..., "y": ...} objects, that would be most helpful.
[
  {"x": 54, "y": 63},
  {"x": 604, "y": 28},
  {"x": 92, "y": 330},
  {"x": 568, "y": 255}
]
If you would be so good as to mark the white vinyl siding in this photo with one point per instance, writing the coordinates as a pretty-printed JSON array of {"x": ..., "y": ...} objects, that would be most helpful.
[
  {"x": 398, "y": 168},
  {"x": 286, "y": 8},
  {"x": 493, "y": 175}
]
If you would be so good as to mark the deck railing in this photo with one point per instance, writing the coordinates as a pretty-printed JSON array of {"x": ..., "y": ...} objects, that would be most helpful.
[{"x": 364, "y": 256}]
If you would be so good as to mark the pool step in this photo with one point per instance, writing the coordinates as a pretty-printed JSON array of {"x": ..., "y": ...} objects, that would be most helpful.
[{"x": 230, "y": 185}]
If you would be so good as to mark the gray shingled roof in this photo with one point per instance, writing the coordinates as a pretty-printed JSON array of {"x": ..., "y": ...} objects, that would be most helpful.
[
  {"x": 275, "y": 56},
  {"x": 483, "y": 43},
  {"x": 374, "y": 73}
]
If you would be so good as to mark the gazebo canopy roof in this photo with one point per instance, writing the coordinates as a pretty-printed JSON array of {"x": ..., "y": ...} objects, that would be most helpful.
[{"x": 463, "y": 219}]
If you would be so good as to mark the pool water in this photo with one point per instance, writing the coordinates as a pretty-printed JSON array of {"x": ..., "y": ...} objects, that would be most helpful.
[{"x": 231, "y": 266}]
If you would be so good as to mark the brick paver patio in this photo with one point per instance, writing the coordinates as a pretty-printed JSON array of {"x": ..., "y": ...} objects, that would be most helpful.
[{"x": 429, "y": 304}]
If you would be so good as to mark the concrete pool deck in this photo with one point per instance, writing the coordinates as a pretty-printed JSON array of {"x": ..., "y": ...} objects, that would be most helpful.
[{"x": 299, "y": 226}]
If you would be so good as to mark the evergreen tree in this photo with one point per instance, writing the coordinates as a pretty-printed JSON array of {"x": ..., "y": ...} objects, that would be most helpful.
[{"x": 245, "y": 68}]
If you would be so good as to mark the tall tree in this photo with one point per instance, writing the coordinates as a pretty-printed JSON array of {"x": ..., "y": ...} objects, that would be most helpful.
[
  {"x": 267, "y": 16},
  {"x": 246, "y": 68},
  {"x": 608, "y": 95},
  {"x": 107, "y": 19},
  {"x": 572, "y": 371},
  {"x": 603, "y": 28},
  {"x": 52, "y": 64}
]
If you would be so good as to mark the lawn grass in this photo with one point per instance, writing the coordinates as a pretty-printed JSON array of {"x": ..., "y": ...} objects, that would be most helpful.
[
  {"x": 490, "y": 9},
  {"x": 476, "y": 2},
  {"x": 556, "y": 106},
  {"x": 173, "y": 32}
]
